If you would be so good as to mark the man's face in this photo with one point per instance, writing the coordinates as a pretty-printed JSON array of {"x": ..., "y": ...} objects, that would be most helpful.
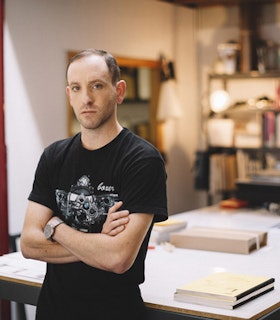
[{"x": 91, "y": 93}]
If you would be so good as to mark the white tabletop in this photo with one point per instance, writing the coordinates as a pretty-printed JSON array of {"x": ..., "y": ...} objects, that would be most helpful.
[{"x": 165, "y": 270}]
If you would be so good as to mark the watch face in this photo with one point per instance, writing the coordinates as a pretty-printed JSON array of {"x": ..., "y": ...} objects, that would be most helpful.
[{"x": 48, "y": 231}]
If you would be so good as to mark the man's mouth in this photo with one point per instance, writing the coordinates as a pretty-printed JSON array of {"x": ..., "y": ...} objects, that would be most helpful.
[{"x": 89, "y": 111}]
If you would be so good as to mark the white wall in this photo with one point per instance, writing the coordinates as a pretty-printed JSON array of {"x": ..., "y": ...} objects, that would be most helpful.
[{"x": 38, "y": 33}]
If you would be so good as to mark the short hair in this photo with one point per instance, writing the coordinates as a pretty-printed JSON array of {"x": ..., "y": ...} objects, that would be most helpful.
[{"x": 111, "y": 62}]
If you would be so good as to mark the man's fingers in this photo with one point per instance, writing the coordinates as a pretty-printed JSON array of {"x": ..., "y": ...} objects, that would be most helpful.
[
  {"x": 118, "y": 215},
  {"x": 119, "y": 222},
  {"x": 115, "y": 207},
  {"x": 116, "y": 220},
  {"x": 116, "y": 231}
]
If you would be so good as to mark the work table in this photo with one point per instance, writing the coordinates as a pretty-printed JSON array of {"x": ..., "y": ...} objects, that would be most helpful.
[{"x": 168, "y": 267}]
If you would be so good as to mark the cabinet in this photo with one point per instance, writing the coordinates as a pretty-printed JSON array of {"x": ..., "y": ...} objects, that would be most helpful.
[{"x": 244, "y": 139}]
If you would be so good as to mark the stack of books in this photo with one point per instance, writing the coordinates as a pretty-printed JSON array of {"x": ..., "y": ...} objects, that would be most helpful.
[
  {"x": 267, "y": 176},
  {"x": 224, "y": 290},
  {"x": 161, "y": 230},
  {"x": 223, "y": 172}
]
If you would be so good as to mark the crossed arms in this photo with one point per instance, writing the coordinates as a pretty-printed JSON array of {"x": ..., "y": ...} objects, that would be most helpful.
[{"x": 114, "y": 249}]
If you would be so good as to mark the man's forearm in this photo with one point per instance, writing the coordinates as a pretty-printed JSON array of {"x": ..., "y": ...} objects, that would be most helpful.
[
  {"x": 56, "y": 253},
  {"x": 45, "y": 250},
  {"x": 110, "y": 253},
  {"x": 86, "y": 246}
]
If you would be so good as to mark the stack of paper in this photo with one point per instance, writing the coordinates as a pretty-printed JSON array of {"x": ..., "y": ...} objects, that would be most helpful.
[
  {"x": 161, "y": 230},
  {"x": 224, "y": 290},
  {"x": 15, "y": 266}
]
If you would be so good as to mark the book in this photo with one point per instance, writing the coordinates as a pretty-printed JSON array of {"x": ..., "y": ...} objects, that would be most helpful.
[
  {"x": 161, "y": 230},
  {"x": 224, "y": 290},
  {"x": 233, "y": 203},
  {"x": 269, "y": 129},
  {"x": 219, "y": 239},
  {"x": 169, "y": 225},
  {"x": 267, "y": 175}
]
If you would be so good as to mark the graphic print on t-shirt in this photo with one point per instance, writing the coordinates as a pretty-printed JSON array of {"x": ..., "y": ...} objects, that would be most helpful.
[{"x": 81, "y": 208}]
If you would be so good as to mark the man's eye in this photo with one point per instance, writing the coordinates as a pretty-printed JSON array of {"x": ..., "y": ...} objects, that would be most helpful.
[
  {"x": 75, "y": 88},
  {"x": 97, "y": 86}
]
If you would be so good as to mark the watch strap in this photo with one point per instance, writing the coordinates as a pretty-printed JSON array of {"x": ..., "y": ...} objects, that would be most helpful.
[{"x": 56, "y": 222}]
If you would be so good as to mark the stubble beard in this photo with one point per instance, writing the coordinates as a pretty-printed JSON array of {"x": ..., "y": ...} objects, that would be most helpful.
[{"x": 97, "y": 120}]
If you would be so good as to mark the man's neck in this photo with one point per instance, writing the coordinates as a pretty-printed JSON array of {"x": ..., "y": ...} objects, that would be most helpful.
[{"x": 98, "y": 138}]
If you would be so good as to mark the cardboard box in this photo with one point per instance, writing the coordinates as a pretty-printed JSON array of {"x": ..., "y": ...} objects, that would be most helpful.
[
  {"x": 220, "y": 132},
  {"x": 219, "y": 239}
]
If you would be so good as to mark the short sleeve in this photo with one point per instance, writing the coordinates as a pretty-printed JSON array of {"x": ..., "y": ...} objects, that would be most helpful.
[
  {"x": 144, "y": 190},
  {"x": 42, "y": 190}
]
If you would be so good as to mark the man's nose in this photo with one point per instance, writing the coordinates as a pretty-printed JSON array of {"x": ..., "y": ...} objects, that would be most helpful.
[{"x": 87, "y": 97}]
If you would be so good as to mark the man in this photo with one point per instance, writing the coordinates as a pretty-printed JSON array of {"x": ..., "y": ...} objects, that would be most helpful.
[{"x": 93, "y": 202}]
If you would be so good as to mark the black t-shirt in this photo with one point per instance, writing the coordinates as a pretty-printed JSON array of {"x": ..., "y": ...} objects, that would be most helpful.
[{"x": 80, "y": 185}]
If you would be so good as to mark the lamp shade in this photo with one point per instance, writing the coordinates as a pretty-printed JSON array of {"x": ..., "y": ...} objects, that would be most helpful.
[
  {"x": 219, "y": 100},
  {"x": 168, "y": 105}
]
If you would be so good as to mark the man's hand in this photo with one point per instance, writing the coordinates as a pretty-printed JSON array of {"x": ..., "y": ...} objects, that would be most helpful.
[{"x": 116, "y": 220}]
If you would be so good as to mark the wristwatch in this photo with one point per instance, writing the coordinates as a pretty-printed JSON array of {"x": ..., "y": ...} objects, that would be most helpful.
[{"x": 50, "y": 228}]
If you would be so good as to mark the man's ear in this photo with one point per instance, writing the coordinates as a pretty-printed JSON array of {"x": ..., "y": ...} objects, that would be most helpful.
[
  {"x": 68, "y": 92},
  {"x": 121, "y": 89}
]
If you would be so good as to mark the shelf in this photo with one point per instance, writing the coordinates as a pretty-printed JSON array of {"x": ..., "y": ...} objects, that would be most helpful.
[
  {"x": 248, "y": 75},
  {"x": 233, "y": 149},
  {"x": 207, "y": 3},
  {"x": 257, "y": 193},
  {"x": 246, "y": 109},
  {"x": 135, "y": 101}
]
